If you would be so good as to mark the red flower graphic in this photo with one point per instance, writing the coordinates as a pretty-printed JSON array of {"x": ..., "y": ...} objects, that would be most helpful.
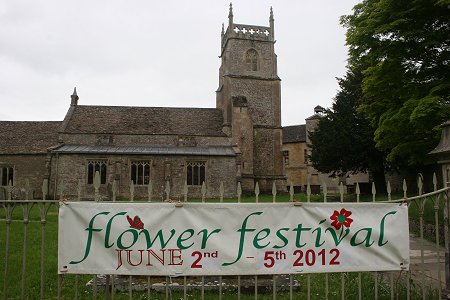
[
  {"x": 136, "y": 222},
  {"x": 341, "y": 218}
]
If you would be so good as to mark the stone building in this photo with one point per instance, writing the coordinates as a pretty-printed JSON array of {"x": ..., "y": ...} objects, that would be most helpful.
[
  {"x": 249, "y": 96},
  {"x": 143, "y": 144},
  {"x": 238, "y": 141},
  {"x": 299, "y": 169},
  {"x": 24, "y": 155},
  {"x": 295, "y": 156}
]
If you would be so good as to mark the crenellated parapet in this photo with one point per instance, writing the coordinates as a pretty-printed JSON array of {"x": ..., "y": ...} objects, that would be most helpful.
[
  {"x": 248, "y": 32},
  {"x": 251, "y": 32}
]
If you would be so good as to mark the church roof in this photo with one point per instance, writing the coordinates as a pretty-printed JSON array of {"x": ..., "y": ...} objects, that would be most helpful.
[
  {"x": 147, "y": 150},
  {"x": 23, "y": 137},
  {"x": 315, "y": 116},
  {"x": 294, "y": 134},
  {"x": 144, "y": 120}
]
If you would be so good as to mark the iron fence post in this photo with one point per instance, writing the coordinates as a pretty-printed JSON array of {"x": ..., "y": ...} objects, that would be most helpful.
[{"x": 446, "y": 183}]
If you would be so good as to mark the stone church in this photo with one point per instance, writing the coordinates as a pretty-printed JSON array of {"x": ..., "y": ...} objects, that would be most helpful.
[{"x": 238, "y": 141}]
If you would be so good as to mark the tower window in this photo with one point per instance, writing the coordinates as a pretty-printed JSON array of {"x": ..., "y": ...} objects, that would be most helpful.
[
  {"x": 286, "y": 157},
  {"x": 251, "y": 60}
]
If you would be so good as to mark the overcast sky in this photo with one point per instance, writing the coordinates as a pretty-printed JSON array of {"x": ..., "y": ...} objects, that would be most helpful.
[{"x": 157, "y": 53}]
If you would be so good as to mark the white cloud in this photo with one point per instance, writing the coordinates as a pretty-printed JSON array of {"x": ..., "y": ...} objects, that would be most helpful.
[{"x": 157, "y": 53}]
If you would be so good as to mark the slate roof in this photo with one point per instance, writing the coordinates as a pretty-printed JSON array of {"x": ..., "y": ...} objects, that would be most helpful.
[
  {"x": 314, "y": 116},
  {"x": 144, "y": 120},
  {"x": 147, "y": 150},
  {"x": 23, "y": 137},
  {"x": 294, "y": 134}
]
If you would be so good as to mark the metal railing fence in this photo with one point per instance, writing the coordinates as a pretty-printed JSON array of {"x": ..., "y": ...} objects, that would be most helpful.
[{"x": 29, "y": 260}]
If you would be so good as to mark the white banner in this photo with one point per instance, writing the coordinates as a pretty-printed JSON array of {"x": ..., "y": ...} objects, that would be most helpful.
[{"x": 231, "y": 239}]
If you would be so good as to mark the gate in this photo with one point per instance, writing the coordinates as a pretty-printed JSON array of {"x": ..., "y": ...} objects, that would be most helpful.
[{"x": 28, "y": 270}]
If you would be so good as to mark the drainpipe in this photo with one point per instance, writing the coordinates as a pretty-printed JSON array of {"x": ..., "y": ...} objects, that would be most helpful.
[{"x": 56, "y": 177}]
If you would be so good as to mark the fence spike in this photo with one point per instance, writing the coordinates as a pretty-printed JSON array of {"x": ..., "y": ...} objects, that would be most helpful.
[
  {"x": 374, "y": 191},
  {"x": 239, "y": 191},
  {"x": 149, "y": 190},
  {"x": 221, "y": 191},
  {"x": 274, "y": 191},
  {"x": 9, "y": 189},
  {"x": 357, "y": 191},
  {"x": 257, "y": 192},
  {"x": 62, "y": 187},
  {"x": 291, "y": 192},
  {"x": 420, "y": 183},
  {"x": 167, "y": 190},
  {"x": 132, "y": 191},
  {"x": 203, "y": 191},
  {"x": 27, "y": 189},
  {"x": 185, "y": 191},
  {"x": 114, "y": 190},
  {"x": 434, "y": 181},
  {"x": 97, "y": 182},
  {"x": 389, "y": 190},
  {"x": 79, "y": 189},
  {"x": 308, "y": 189},
  {"x": 405, "y": 189},
  {"x": 44, "y": 189},
  {"x": 341, "y": 191}
]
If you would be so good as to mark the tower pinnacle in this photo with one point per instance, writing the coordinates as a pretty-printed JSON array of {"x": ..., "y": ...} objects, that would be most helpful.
[
  {"x": 230, "y": 17},
  {"x": 74, "y": 97},
  {"x": 271, "y": 21}
]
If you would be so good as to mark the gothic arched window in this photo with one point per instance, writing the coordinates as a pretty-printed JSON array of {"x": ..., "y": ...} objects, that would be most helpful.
[
  {"x": 251, "y": 60},
  {"x": 195, "y": 173},
  {"x": 96, "y": 166}
]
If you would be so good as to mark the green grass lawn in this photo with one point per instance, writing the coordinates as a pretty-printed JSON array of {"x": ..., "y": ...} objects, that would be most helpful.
[{"x": 73, "y": 285}]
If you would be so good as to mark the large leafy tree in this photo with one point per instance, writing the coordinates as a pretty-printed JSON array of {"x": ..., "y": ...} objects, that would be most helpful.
[
  {"x": 343, "y": 141},
  {"x": 402, "y": 48}
]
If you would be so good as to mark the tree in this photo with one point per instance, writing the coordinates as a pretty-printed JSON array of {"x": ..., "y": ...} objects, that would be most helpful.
[
  {"x": 343, "y": 141},
  {"x": 402, "y": 48}
]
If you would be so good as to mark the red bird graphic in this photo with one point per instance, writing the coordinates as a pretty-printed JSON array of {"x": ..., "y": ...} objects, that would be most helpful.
[{"x": 135, "y": 223}]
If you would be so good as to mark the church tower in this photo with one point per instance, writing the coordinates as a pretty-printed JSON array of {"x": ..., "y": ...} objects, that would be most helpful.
[{"x": 249, "y": 95}]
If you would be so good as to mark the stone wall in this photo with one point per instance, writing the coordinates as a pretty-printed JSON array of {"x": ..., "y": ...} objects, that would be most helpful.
[
  {"x": 72, "y": 169},
  {"x": 267, "y": 152},
  {"x": 242, "y": 133},
  {"x": 263, "y": 99},
  {"x": 149, "y": 139},
  {"x": 31, "y": 167},
  {"x": 233, "y": 58},
  {"x": 296, "y": 168}
]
